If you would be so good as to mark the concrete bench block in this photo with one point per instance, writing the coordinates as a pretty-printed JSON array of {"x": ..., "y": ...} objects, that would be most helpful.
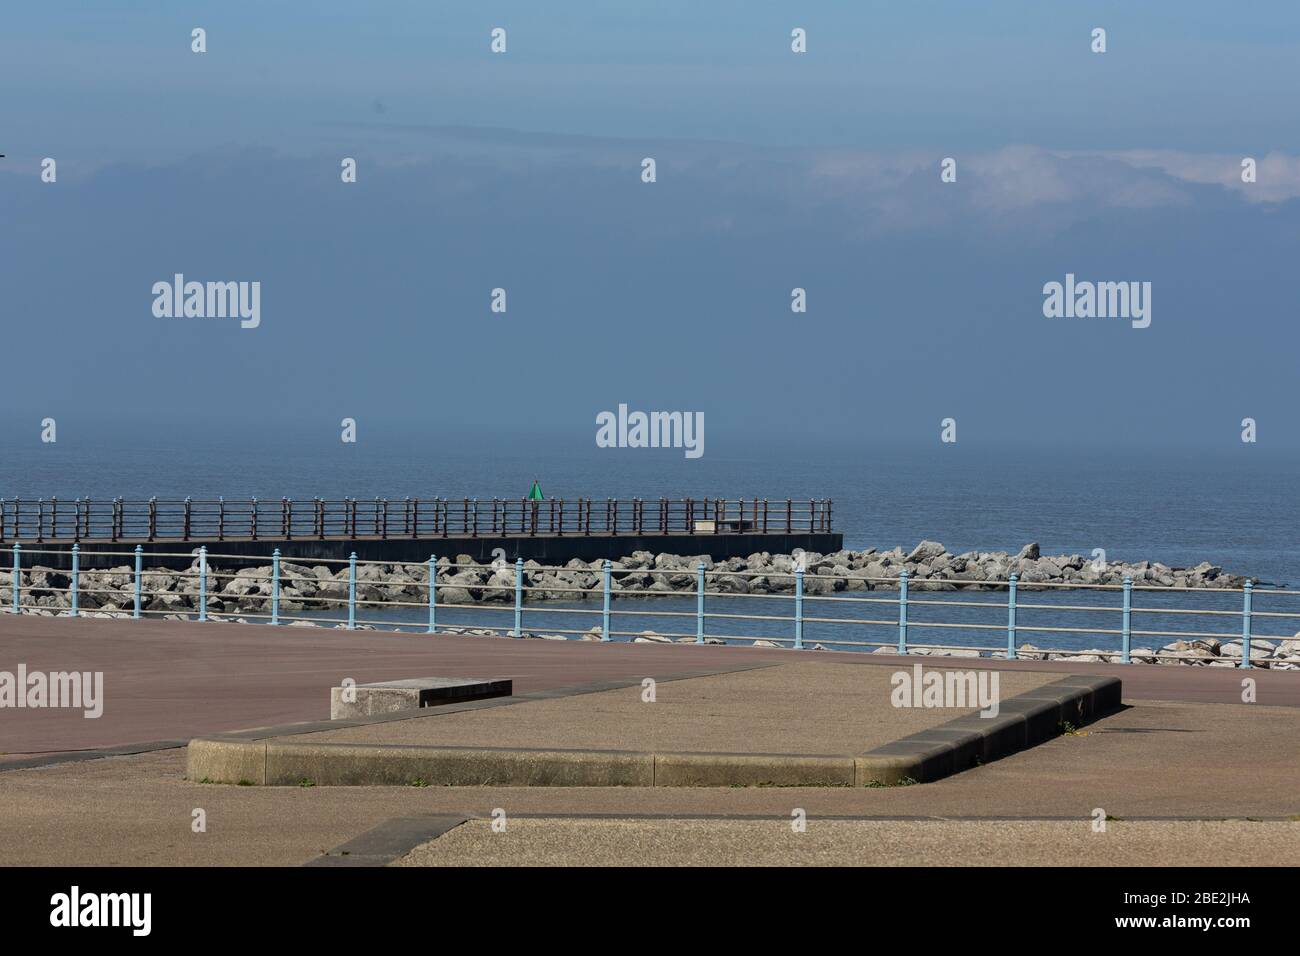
[{"x": 387, "y": 697}]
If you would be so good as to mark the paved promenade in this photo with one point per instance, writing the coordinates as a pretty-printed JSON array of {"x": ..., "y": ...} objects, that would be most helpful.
[
  {"x": 1174, "y": 762},
  {"x": 1184, "y": 756},
  {"x": 168, "y": 680}
]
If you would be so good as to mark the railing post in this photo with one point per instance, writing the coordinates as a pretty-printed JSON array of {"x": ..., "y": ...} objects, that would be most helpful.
[
  {"x": 76, "y": 571},
  {"x": 203, "y": 583},
  {"x": 699, "y": 603},
  {"x": 1245, "y": 624},
  {"x": 604, "y": 619},
  {"x": 902, "y": 611},
  {"x": 1127, "y": 636},
  {"x": 18, "y": 569},
  {"x": 433, "y": 591},
  {"x": 798, "y": 608},
  {"x": 139, "y": 572},
  {"x": 1011, "y": 616},
  {"x": 519, "y": 595},
  {"x": 275, "y": 586},
  {"x": 352, "y": 591}
]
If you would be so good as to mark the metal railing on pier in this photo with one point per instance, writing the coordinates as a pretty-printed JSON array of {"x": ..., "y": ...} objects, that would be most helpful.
[{"x": 219, "y": 519}]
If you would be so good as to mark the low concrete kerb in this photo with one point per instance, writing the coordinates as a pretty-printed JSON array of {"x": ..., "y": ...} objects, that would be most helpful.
[{"x": 1024, "y": 721}]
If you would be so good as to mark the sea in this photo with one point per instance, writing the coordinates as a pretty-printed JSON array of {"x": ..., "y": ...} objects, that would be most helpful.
[{"x": 1237, "y": 507}]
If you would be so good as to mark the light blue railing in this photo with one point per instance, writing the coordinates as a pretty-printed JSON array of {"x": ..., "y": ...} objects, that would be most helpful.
[{"x": 269, "y": 604}]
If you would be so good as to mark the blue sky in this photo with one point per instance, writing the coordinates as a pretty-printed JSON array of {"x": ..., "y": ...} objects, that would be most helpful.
[
  {"x": 115, "y": 79},
  {"x": 775, "y": 170}
]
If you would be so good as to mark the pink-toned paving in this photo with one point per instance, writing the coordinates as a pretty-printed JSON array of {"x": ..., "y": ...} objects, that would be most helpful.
[{"x": 167, "y": 680}]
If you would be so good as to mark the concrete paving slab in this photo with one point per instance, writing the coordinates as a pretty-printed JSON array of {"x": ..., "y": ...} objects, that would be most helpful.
[
  {"x": 802, "y": 707},
  {"x": 712, "y": 842}
]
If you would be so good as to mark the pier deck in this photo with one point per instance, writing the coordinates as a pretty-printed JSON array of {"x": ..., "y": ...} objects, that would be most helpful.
[{"x": 552, "y": 530}]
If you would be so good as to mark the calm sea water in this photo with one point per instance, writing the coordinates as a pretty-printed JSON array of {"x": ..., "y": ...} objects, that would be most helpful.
[{"x": 1238, "y": 508}]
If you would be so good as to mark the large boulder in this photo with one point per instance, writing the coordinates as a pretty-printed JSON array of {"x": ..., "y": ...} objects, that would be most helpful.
[{"x": 925, "y": 551}]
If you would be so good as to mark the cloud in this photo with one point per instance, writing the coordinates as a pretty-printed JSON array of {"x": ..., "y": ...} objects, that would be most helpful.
[{"x": 1278, "y": 175}]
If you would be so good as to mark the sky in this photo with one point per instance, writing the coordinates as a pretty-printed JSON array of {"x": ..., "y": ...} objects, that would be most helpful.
[{"x": 775, "y": 170}]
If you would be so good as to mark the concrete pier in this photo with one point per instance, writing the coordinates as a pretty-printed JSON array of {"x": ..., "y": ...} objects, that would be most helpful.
[{"x": 409, "y": 530}]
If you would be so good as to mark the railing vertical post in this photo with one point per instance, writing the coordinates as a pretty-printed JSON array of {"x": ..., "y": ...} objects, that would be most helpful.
[
  {"x": 433, "y": 592},
  {"x": 1011, "y": 616},
  {"x": 203, "y": 583},
  {"x": 902, "y": 611},
  {"x": 76, "y": 573},
  {"x": 186, "y": 533},
  {"x": 519, "y": 595},
  {"x": 699, "y": 603},
  {"x": 604, "y": 618},
  {"x": 18, "y": 571},
  {"x": 798, "y": 608},
  {"x": 352, "y": 591},
  {"x": 275, "y": 586},
  {"x": 1127, "y": 636},
  {"x": 1245, "y": 624},
  {"x": 139, "y": 573}
]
